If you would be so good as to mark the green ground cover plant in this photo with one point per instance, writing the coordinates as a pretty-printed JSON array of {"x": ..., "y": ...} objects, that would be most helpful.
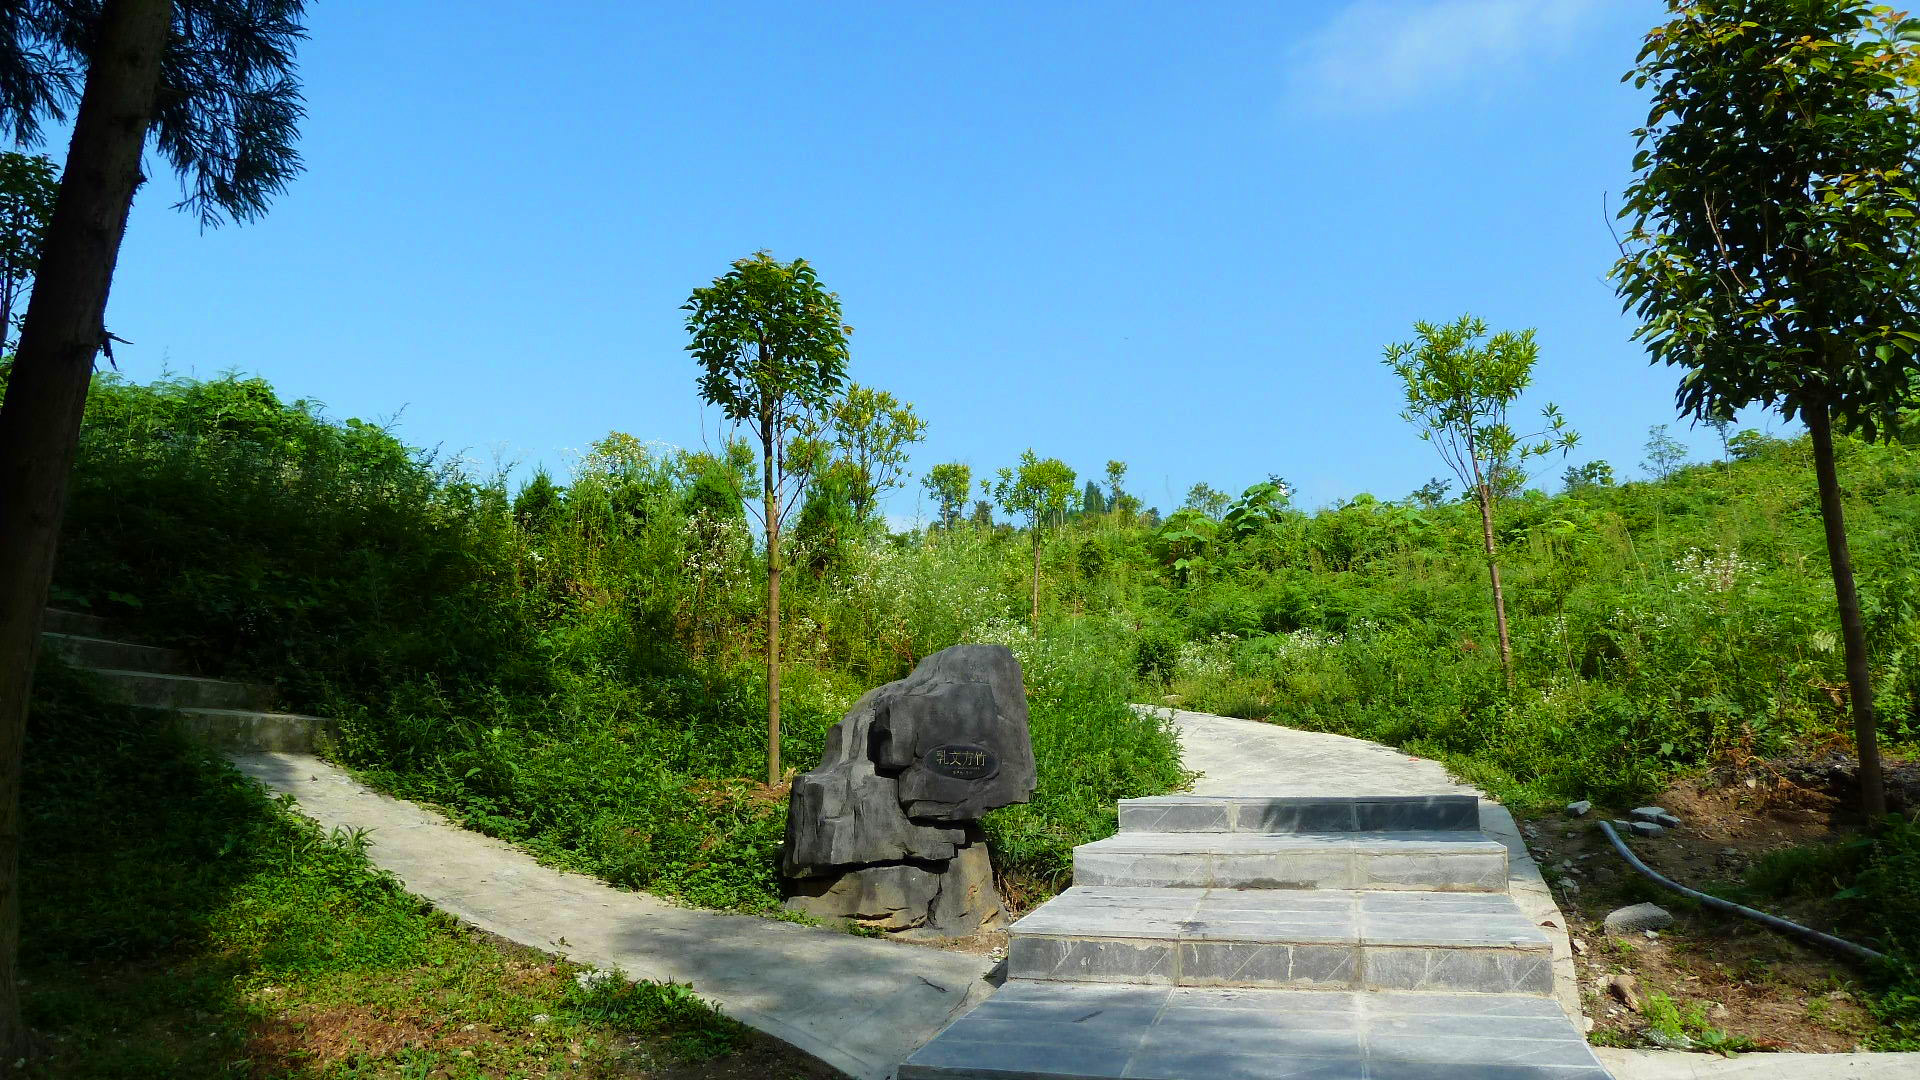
[{"x": 180, "y": 923}]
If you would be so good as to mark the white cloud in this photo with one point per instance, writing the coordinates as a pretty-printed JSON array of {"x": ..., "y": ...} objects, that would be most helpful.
[{"x": 1378, "y": 53}]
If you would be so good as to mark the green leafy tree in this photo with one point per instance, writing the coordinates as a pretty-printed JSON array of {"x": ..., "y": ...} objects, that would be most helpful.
[
  {"x": 1772, "y": 255},
  {"x": 1258, "y": 509},
  {"x": 872, "y": 431},
  {"x": 982, "y": 517},
  {"x": 773, "y": 354},
  {"x": 1184, "y": 542},
  {"x": 828, "y": 522},
  {"x": 539, "y": 503},
  {"x": 1204, "y": 498},
  {"x": 1124, "y": 507},
  {"x": 1432, "y": 493},
  {"x": 1594, "y": 474},
  {"x": 211, "y": 83},
  {"x": 948, "y": 484},
  {"x": 28, "y": 187},
  {"x": 1091, "y": 500},
  {"x": 1460, "y": 384},
  {"x": 1665, "y": 454},
  {"x": 720, "y": 484},
  {"x": 1042, "y": 493}
]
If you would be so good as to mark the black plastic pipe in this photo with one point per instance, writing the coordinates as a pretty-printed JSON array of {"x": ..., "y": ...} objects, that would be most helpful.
[{"x": 1841, "y": 945}]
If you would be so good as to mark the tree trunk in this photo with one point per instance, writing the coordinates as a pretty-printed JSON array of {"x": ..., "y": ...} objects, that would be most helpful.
[
  {"x": 1853, "y": 629},
  {"x": 47, "y": 395},
  {"x": 1493, "y": 573},
  {"x": 771, "y": 505},
  {"x": 1036, "y": 579}
]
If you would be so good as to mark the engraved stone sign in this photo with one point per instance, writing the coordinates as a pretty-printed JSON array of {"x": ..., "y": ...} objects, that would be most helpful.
[
  {"x": 963, "y": 761},
  {"x": 886, "y": 832}
]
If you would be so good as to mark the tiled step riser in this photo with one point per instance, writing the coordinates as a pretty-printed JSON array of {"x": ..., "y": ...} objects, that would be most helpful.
[
  {"x": 56, "y": 621},
  {"x": 279, "y": 733},
  {"x": 1437, "y": 872},
  {"x": 182, "y": 692},
  {"x": 115, "y": 655},
  {"x": 1197, "y": 814},
  {"x": 1256, "y": 965}
]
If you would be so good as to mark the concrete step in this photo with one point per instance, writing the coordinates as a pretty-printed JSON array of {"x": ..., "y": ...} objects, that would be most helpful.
[
  {"x": 1439, "y": 859},
  {"x": 1358, "y": 813},
  {"x": 1054, "y": 1031},
  {"x": 1324, "y": 940},
  {"x": 57, "y": 621},
  {"x": 162, "y": 691},
  {"x": 243, "y": 729},
  {"x": 96, "y": 652}
]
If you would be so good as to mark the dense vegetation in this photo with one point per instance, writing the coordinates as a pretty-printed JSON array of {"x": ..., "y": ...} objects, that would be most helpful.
[
  {"x": 571, "y": 668},
  {"x": 179, "y": 923},
  {"x": 572, "y": 665}
]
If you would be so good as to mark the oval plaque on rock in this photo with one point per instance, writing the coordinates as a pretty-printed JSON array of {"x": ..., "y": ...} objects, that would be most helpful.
[{"x": 962, "y": 761}]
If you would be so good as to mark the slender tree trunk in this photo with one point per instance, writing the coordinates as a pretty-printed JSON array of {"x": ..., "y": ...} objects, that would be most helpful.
[
  {"x": 40, "y": 420},
  {"x": 1036, "y": 579},
  {"x": 1493, "y": 574},
  {"x": 1853, "y": 629},
  {"x": 771, "y": 505},
  {"x": 6, "y": 316}
]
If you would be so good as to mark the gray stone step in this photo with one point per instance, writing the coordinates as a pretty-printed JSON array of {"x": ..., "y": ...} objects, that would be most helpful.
[
  {"x": 243, "y": 729},
  {"x": 1359, "y": 813},
  {"x": 96, "y": 652},
  {"x": 1319, "y": 940},
  {"x": 1053, "y": 1031},
  {"x": 163, "y": 691},
  {"x": 1443, "y": 860},
  {"x": 58, "y": 621}
]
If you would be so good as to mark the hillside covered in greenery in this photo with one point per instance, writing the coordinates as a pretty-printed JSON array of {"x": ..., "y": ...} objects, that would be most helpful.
[{"x": 576, "y": 664}]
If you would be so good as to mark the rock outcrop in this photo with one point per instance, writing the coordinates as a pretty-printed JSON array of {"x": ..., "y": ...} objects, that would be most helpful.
[{"x": 885, "y": 831}]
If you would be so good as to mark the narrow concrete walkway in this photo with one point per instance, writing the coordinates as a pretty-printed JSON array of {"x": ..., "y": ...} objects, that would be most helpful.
[
  {"x": 863, "y": 1005},
  {"x": 858, "y": 1004}
]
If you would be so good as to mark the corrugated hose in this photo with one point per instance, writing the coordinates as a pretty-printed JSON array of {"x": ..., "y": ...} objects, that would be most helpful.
[{"x": 1839, "y": 945}]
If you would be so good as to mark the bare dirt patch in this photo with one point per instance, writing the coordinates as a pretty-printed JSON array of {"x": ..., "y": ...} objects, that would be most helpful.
[{"x": 1764, "y": 990}]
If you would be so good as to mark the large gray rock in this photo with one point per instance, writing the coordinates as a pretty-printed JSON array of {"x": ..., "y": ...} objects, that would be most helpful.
[{"x": 882, "y": 831}]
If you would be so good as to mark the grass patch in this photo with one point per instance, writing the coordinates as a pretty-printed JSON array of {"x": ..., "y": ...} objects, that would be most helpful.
[{"x": 180, "y": 923}]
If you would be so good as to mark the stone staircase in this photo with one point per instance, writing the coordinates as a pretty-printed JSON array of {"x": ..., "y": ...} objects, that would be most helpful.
[
  {"x": 228, "y": 715},
  {"x": 1333, "y": 938}
]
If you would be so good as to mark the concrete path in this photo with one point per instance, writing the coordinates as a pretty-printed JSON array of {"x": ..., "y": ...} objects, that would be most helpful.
[
  {"x": 1246, "y": 757},
  {"x": 863, "y": 1005},
  {"x": 858, "y": 1004}
]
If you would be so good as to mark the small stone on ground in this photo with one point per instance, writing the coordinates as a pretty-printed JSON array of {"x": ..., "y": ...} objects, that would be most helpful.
[{"x": 1627, "y": 920}]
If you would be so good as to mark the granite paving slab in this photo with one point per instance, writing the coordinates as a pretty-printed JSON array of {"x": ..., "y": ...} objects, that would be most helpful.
[
  {"x": 1409, "y": 859},
  {"x": 1279, "y": 814},
  {"x": 1030, "y": 1031}
]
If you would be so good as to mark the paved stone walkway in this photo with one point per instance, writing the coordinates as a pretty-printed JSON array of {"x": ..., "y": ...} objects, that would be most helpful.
[
  {"x": 861, "y": 1005},
  {"x": 1247, "y": 758}
]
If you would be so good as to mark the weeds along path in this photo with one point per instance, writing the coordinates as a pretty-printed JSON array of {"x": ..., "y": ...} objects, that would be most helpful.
[{"x": 858, "y": 1004}]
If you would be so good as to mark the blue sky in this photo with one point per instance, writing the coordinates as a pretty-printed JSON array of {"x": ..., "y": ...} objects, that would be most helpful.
[{"x": 1174, "y": 234}]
